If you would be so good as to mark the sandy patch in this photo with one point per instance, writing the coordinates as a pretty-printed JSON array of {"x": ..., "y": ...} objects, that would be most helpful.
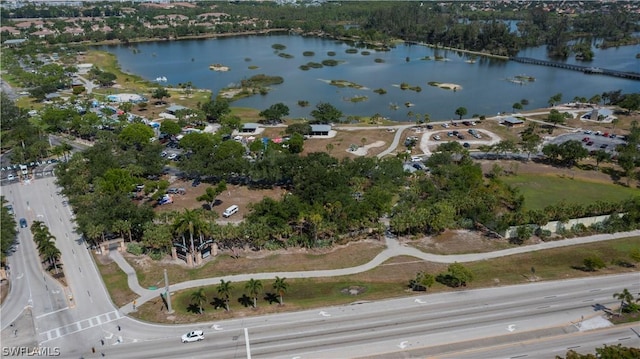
[
  {"x": 362, "y": 151},
  {"x": 230, "y": 93},
  {"x": 449, "y": 86},
  {"x": 427, "y": 142}
]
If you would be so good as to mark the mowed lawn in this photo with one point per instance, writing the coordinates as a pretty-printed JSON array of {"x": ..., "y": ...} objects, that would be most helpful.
[{"x": 540, "y": 191}]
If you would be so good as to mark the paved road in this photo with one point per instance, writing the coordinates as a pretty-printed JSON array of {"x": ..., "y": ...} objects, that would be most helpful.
[
  {"x": 80, "y": 324},
  {"x": 66, "y": 317},
  {"x": 422, "y": 324}
]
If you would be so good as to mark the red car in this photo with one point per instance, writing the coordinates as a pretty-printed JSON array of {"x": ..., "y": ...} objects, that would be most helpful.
[
  {"x": 586, "y": 139},
  {"x": 590, "y": 143}
]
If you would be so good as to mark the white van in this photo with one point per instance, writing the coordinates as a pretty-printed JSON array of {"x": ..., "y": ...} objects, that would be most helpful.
[{"x": 230, "y": 211}]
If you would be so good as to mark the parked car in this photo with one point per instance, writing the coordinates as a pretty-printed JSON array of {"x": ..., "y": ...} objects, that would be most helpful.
[
  {"x": 23, "y": 223},
  {"x": 460, "y": 136},
  {"x": 586, "y": 139},
  {"x": 590, "y": 143},
  {"x": 436, "y": 137},
  {"x": 588, "y": 132},
  {"x": 466, "y": 145},
  {"x": 10, "y": 209},
  {"x": 172, "y": 156},
  {"x": 604, "y": 145},
  {"x": 194, "y": 336},
  {"x": 429, "y": 127},
  {"x": 196, "y": 182},
  {"x": 445, "y": 125}
]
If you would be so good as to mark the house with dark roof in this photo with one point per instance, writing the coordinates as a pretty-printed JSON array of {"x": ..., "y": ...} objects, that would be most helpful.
[{"x": 513, "y": 122}]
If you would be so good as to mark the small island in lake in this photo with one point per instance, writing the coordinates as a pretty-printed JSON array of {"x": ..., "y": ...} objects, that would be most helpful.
[{"x": 218, "y": 67}]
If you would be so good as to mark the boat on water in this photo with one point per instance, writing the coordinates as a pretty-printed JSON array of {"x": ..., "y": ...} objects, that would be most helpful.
[{"x": 161, "y": 79}]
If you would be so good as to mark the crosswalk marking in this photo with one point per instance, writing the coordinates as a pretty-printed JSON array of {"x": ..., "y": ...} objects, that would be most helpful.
[{"x": 78, "y": 326}]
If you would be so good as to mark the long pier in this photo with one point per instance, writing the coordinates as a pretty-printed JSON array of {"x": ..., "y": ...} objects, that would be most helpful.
[{"x": 584, "y": 69}]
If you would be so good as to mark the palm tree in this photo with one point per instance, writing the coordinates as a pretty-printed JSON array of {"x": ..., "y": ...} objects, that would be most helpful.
[
  {"x": 198, "y": 296},
  {"x": 625, "y": 297},
  {"x": 224, "y": 290},
  {"x": 94, "y": 232},
  {"x": 280, "y": 286},
  {"x": 254, "y": 287},
  {"x": 52, "y": 254},
  {"x": 189, "y": 221},
  {"x": 119, "y": 226}
]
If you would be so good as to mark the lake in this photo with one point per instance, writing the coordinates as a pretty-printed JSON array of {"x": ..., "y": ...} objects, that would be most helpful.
[{"x": 486, "y": 88}]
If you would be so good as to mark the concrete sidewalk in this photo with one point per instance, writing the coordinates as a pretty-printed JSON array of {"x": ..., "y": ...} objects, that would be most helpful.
[{"x": 394, "y": 249}]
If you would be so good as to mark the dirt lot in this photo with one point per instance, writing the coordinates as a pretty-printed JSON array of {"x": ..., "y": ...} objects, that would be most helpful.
[{"x": 238, "y": 195}]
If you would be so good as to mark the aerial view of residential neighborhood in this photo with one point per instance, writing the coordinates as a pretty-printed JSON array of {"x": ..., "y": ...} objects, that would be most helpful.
[{"x": 320, "y": 179}]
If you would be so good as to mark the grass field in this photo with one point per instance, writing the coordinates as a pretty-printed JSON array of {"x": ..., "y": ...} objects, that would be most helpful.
[
  {"x": 540, "y": 191},
  {"x": 391, "y": 279}
]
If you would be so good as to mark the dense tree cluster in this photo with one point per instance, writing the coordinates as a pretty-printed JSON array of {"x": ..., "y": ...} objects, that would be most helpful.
[
  {"x": 8, "y": 231},
  {"x": 459, "y": 25}
]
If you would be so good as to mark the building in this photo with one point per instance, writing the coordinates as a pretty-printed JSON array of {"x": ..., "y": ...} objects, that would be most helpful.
[
  {"x": 250, "y": 127},
  {"x": 320, "y": 130},
  {"x": 513, "y": 122}
]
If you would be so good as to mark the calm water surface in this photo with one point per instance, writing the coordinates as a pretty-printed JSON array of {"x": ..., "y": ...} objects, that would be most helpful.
[{"x": 486, "y": 89}]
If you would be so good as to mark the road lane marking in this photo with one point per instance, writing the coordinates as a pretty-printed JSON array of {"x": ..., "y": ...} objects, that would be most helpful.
[
  {"x": 55, "y": 311},
  {"x": 403, "y": 344},
  {"x": 78, "y": 326}
]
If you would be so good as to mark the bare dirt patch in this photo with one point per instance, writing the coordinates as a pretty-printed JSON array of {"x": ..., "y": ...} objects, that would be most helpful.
[
  {"x": 241, "y": 196},
  {"x": 457, "y": 242},
  {"x": 345, "y": 138}
]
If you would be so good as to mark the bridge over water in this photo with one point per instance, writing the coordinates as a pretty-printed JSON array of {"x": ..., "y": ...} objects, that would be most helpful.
[{"x": 585, "y": 69}]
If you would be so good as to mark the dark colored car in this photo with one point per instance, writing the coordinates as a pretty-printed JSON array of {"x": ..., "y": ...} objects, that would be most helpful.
[
  {"x": 195, "y": 182},
  {"x": 23, "y": 223}
]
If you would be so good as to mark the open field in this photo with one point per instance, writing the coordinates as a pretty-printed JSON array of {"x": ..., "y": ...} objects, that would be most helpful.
[
  {"x": 543, "y": 190},
  {"x": 150, "y": 273},
  {"x": 391, "y": 279}
]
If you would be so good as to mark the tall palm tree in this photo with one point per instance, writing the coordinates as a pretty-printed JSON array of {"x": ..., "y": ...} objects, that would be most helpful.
[
  {"x": 280, "y": 286},
  {"x": 625, "y": 297},
  {"x": 254, "y": 287},
  {"x": 189, "y": 221},
  {"x": 224, "y": 290},
  {"x": 198, "y": 296},
  {"x": 52, "y": 254}
]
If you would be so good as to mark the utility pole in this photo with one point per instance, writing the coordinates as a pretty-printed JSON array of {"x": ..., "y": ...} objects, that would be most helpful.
[{"x": 167, "y": 294}]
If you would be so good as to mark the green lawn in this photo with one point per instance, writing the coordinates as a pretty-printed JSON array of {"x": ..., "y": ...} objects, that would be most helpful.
[
  {"x": 540, "y": 191},
  {"x": 390, "y": 280}
]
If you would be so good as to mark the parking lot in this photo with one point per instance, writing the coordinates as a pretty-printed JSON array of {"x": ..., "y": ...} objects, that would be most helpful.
[{"x": 591, "y": 141}]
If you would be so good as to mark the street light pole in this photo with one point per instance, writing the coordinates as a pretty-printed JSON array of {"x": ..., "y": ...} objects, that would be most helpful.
[{"x": 167, "y": 294}]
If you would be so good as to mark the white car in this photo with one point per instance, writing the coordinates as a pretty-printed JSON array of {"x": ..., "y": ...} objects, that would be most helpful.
[
  {"x": 436, "y": 137},
  {"x": 172, "y": 156},
  {"x": 194, "y": 336},
  {"x": 445, "y": 125}
]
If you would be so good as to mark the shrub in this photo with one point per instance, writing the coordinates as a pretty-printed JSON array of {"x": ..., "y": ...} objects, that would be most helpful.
[
  {"x": 156, "y": 255},
  {"x": 135, "y": 249},
  {"x": 593, "y": 263}
]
